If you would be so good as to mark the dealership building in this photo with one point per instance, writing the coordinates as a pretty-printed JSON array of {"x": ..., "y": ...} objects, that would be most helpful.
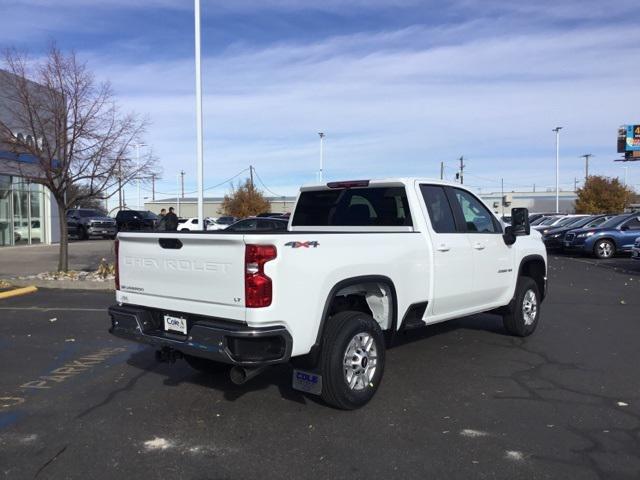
[{"x": 28, "y": 213}]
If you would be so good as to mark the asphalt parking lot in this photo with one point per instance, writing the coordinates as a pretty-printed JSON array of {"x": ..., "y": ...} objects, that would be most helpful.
[{"x": 459, "y": 400}]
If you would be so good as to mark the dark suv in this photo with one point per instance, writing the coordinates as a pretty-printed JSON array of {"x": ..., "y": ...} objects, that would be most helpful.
[
  {"x": 91, "y": 223},
  {"x": 135, "y": 220}
]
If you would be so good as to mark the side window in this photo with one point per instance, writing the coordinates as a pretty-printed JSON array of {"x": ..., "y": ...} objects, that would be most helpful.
[
  {"x": 194, "y": 221},
  {"x": 440, "y": 212},
  {"x": 633, "y": 224},
  {"x": 476, "y": 215}
]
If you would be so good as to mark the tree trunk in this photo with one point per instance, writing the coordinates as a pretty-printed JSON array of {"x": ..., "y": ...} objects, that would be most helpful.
[{"x": 63, "y": 256}]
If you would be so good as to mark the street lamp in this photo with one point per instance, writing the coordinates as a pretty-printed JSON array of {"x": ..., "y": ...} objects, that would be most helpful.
[
  {"x": 322, "y": 135},
  {"x": 557, "y": 130},
  {"x": 199, "y": 141}
]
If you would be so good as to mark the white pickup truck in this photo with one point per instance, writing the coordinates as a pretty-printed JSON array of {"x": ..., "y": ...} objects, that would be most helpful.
[{"x": 361, "y": 262}]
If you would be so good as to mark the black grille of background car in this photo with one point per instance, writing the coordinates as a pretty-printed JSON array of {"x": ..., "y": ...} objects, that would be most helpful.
[
  {"x": 103, "y": 224},
  {"x": 569, "y": 236}
]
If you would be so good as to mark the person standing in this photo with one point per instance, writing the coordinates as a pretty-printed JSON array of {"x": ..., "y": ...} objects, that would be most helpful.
[
  {"x": 170, "y": 221},
  {"x": 161, "y": 225}
]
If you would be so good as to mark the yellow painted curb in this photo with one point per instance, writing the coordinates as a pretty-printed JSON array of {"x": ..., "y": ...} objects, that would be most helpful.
[{"x": 18, "y": 291}]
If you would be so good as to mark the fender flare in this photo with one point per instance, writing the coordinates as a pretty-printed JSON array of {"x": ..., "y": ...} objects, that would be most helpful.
[
  {"x": 534, "y": 258},
  {"x": 347, "y": 282}
]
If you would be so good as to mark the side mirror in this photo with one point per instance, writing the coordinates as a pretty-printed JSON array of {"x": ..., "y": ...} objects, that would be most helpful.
[
  {"x": 508, "y": 236},
  {"x": 520, "y": 221}
]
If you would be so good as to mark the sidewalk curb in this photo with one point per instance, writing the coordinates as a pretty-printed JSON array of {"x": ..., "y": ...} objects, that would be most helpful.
[
  {"x": 18, "y": 292},
  {"x": 107, "y": 286}
]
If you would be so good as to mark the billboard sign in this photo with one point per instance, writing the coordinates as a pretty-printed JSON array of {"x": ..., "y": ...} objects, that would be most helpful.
[{"x": 632, "y": 143}]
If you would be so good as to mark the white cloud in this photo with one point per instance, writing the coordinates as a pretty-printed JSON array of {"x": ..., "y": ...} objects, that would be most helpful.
[{"x": 391, "y": 111}]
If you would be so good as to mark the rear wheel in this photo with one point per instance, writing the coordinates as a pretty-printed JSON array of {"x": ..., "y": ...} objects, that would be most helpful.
[
  {"x": 205, "y": 365},
  {"x": 604, "y": 249},
  {"x": 352, "y": 360},
  {"x": 523, "y": 319}
]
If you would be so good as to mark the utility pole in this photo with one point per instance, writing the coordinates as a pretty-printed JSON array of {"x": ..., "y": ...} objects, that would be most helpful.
[
  {"x": 586, "y": 157},
  {"x": 182, "y": 183},
  {"x": 322, "y": 135},
  {"x": 461, "y": 170},
  {"x": 441, "y": 170},
  {"x": 178, "y": 193},
  {"x": 534, "y": 188},
  {"x": 153, "y": 187},
  {"x": 502, "y": 195},
  {"x": 575, "y": 184},
  {"x": 557, "y": 130},
  {"x": 251, "y": 175},
  {"x": 119, "y": 184}
]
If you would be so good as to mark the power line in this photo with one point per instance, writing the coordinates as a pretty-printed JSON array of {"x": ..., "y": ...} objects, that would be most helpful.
[{"x": 263, "y": 184}]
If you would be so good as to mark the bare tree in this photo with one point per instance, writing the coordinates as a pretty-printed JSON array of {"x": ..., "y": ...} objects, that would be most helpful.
[{"x": 69, "y": 126}]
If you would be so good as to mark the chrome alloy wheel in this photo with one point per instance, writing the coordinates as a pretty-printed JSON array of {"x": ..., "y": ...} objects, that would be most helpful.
[
  {"x": 529, "y": 307},
  {"x": 360, "y": 360},
  {"x": 605, "y": 249}
]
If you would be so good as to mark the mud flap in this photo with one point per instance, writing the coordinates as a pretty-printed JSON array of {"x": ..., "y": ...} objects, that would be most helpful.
[{"x": 308, "y": 382}]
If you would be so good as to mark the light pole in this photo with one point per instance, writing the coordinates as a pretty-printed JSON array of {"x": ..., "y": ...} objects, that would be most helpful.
[
  {"x": 199, "y": 141},
  {"x": 557, "y": 130},
  {"x": 322, "y": 135},
  {"x": 138, "y": 145},
  {"x": 586, "y": 157}
]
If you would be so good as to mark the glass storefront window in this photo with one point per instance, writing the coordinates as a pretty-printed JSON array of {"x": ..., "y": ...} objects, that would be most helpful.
[
  {"x": 5, "y": 211},
  {"x": 21, "y": 212},
  {"x": 35, "y": 213}
]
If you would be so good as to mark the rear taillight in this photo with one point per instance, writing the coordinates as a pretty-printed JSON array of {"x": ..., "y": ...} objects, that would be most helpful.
[
  {"x": 116, "y": 246},
  {"x": 257, "y": 285}
]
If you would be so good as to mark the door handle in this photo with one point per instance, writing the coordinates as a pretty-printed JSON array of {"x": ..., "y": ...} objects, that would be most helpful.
[
  {"x": 443, "y": 248},
  {"x": 478, "y": 246}
]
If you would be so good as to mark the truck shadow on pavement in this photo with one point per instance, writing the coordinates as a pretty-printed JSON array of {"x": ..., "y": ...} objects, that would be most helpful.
[
  {"x": 280, "y": 375},
  {"x": 180, "y": 372}
]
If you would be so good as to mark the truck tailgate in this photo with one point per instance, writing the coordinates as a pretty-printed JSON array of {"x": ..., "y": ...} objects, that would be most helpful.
[{"x": 203, "y": 271}]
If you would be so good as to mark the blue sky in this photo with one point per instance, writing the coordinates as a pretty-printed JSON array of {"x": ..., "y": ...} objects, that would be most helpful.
[{"x": 397, "y": 85}]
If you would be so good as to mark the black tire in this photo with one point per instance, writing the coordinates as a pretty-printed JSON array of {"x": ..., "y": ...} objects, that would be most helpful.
[
  {"x": 514, "y": 321},
  {"x": 340, "y": 331},
  {"x": 205, "y": 365},
  {"x": 83, "y": 234},
  {"x": 604, "y": 249}
]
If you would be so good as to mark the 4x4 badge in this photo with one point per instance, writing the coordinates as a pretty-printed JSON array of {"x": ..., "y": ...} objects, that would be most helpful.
[{"x": 313, "y": 244}]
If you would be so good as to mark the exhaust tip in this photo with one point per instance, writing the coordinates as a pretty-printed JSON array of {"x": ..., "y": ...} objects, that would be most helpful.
[
  {"x": 241, "y": 375},
  {"x": 238, "y": 375}
]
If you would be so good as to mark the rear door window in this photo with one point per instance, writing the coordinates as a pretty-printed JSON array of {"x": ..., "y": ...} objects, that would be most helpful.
[
  {"x": 366, "y": 207},
  {"x": 439, "y": 208}
]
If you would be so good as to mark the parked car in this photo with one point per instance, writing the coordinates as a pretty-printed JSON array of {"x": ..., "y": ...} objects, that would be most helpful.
[
  {"x": 553, "y": 238},
  {"x": 635, "y": 251},
  {"x": 615, "y": 235},
  {"x": 361, "y": 260},
  {"x": 221, "y": 223},
  {"x": 136, "y": 220},
  {"x": 542, "y": 218},
  {"x": 552, "y": 221},
  {"x": 190, "y": 224},
  {"x": 73, "y": 228},
  {"x": 92, "y": 223},
  {"x": 263, "y": 224},
  {"x": 533, "y": 217},
  {"x": 565, "y": 221}
]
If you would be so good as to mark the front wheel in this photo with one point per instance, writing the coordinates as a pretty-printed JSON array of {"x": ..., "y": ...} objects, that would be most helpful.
[
  {"x": 604, "y": 249},
  {"x": 523, "y": 319},
  {"x": 352, "y": 360}
]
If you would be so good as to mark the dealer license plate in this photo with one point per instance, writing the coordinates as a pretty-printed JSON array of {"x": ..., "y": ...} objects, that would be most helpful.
[{"x": 175, "y": 324}]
